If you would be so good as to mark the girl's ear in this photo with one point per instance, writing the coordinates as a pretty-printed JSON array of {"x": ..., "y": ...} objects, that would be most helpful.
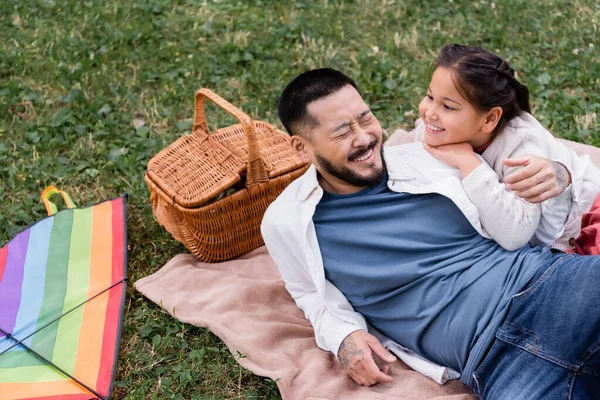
[
  {"x": 491, "y": 120},
  {"x": 299, "y": 146}
]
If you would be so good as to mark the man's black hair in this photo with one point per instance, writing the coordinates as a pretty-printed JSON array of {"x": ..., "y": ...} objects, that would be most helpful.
[{"x": 304, "y": 89}]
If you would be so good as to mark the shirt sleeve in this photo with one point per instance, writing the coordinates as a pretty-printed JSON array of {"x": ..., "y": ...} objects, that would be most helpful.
[
  {"x": 555, "y": 212},
  {"x": 330, "y": 330}
]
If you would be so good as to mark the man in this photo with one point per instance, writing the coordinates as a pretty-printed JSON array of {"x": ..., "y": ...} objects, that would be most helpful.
[{"x": 390, "y": 238}]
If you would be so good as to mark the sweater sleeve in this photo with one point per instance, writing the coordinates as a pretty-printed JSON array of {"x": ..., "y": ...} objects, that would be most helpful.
[{"x": 508, "y": 219}]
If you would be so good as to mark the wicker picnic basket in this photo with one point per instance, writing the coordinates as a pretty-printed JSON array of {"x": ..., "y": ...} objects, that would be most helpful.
[{"x": 190, "y": 181}]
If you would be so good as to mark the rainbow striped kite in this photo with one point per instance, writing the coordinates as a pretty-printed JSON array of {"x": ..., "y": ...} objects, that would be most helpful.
[{"x": 62, "y": 290}]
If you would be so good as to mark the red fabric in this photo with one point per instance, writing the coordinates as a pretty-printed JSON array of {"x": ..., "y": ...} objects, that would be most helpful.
[
  {"x": 3, "y": 256},
  {"x": 482, "y": 148},
  {"x": 588, "y": 242}
]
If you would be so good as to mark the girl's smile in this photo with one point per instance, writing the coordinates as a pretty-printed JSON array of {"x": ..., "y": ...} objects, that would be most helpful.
[{"x": 434, "y": 130}]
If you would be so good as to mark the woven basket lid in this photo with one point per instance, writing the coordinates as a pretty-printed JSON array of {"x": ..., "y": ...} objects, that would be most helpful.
[
  {"x": 196, "y": 168},
  {"x": 274, "y": 145}
]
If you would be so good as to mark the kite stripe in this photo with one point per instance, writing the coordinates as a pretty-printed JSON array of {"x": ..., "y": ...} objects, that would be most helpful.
[
  {"x": 67, "y": 397},
  {"x": 118, "y": 244},
  {"x": 67, "y": 334},
  {"x": 55, "y": 285},
  {"x": 10, "y": 287},
  {"x": 3, "y": 255},
  {"x": 32, "y": 374},
  {"x": 109, "y": 344},
  {"x": 33, "y": 280},
  {"x": 5, "y": 343},
  {"x": 18, "y": 391},
  {"x": 18, "y": 357}
]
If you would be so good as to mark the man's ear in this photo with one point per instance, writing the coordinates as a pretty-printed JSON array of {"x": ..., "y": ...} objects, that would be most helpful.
[
  {"x": 300, "y": 146},
  {"x": 491, "y": 120}
]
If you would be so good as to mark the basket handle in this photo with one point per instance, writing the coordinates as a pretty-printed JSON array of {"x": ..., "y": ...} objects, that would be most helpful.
[
  {"x": 50, "y": 206},
  {"x": 256, "y": 172}
]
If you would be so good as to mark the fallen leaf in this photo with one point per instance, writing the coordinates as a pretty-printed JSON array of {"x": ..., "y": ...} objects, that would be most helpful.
[{"x": 138, "y": 123}]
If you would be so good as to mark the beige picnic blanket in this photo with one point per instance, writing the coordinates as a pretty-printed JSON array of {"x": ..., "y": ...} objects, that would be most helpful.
[{"x": 245, "y": 303}]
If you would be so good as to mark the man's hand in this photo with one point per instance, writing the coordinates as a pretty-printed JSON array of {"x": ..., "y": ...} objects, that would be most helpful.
[
  {"x": 458, "y": 155},
  {"x": 539, "y": 179},
  {"x": 355, "y": 354}
]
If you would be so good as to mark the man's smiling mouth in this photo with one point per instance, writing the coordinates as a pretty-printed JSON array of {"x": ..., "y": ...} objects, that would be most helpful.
[{"x": 364, "y": 157}]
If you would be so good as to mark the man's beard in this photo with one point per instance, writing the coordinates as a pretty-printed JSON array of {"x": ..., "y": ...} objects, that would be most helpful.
[{"x": 347, "y": 175}]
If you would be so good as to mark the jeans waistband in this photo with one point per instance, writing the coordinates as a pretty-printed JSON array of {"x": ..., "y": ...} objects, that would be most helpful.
[{"x": 557, "y": 257}]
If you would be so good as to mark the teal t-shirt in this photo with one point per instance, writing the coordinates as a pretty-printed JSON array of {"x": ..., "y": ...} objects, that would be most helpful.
[{"x": 420, "y": 273}]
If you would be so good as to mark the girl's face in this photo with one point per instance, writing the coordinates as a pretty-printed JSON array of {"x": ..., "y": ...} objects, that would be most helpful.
[{"x": 448, "y": 117}]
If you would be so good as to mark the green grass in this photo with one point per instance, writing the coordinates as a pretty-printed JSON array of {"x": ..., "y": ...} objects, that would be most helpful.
[{"x": 91, "y": 90}]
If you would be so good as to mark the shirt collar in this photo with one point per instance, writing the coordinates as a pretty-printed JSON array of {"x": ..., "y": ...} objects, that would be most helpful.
[{"x": 309, "y": 183}]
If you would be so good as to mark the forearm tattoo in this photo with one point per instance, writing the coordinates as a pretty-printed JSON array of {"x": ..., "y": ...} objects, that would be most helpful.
[
  {"x": 348, "y": 354},
  {"x": 562, "y": 175}
]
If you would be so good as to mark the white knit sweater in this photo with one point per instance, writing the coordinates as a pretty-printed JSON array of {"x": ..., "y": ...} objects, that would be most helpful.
[{"x": 556, "y": 221}]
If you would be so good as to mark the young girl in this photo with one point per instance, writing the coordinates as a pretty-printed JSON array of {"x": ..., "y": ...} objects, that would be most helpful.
[{"x": 476, "y": 109}]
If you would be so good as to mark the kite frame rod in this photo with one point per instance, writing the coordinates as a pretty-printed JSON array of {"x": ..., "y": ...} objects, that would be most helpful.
[{"x": 50, "y": 363}]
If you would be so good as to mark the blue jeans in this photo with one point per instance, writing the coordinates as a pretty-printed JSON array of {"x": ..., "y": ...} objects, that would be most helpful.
[{"x": 549, "y": 345}]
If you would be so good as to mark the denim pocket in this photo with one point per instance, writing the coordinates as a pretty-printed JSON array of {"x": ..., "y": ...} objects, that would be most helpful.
[{"x": 533, "y": 287}]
